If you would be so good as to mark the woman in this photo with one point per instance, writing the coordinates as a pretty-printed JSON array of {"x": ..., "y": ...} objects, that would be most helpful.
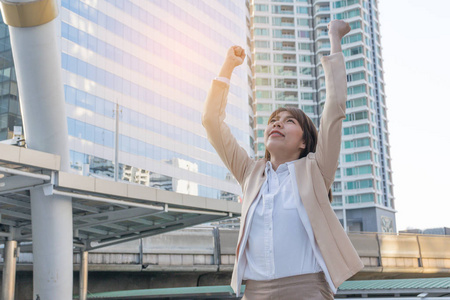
[{"x": 291, "y": 244}]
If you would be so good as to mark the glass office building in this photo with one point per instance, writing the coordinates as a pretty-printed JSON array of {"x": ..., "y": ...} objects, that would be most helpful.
[
  {"x": 289, "y": 38},
  {"x": 141, "y": 70},
  {"x": 9, "y": 95},
  {"x": 145, "y": 68}
]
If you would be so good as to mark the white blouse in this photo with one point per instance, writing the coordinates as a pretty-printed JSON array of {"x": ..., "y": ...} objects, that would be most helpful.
[
  {"x": 278, "y": 240},
  {"x": 277, "y": 244}
]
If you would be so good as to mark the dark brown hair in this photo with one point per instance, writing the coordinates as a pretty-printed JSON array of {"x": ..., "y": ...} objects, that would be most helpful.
[{"x": 310, "y": 134}]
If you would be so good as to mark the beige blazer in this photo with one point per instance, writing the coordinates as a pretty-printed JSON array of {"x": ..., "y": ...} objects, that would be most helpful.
[{"x": 314, "y": 173}]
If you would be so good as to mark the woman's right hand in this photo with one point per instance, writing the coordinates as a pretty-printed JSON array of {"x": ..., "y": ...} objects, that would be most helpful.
[{"x": 235, "y": 57}]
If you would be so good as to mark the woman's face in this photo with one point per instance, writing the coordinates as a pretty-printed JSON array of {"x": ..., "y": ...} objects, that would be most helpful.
[{"x": 283, "y": 135}]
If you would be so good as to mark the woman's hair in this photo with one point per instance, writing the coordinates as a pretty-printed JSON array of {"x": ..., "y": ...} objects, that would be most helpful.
[{"x": 309, "y": 133}]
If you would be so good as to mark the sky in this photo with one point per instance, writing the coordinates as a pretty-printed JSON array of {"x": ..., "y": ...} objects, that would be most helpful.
[{"x": 415, "y": 39}]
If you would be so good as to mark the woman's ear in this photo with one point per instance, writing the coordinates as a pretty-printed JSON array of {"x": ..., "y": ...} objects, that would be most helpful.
[{"x": 302, "y": 145}]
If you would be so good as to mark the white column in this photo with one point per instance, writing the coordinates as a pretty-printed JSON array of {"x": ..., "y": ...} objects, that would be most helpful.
[
  {"x": 51, "y": 220},
  {"x": 37, "y": 62},
  {"x": 84, "y": 255},
  {"x": 37, "y": 58},
  {"x": 9, "y": 270}
]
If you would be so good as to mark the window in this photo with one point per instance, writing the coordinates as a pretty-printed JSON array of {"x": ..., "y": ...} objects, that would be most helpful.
[
  {"x": 262, "y": 120},
  {"x": 337, "y": 186},
  {"x": 356, "y": 102},
  {"x": 289, "y": 22},
  {"x": 261, "y": 20},
  {"x": 305, "y": 58},
  {"x": 355, "y": 129},
  {"x": 356, "y": 76},
  {"x": 262, "y": 69},
  {"x": 263, "y": 81},
  {"x": 359, "y": 198},
  {"x": 262, "y": 56},
  {"x": 260, "y": 133},
  {"x": 348, "y": 14},
  {"x": 361, "y": 170},
  {"x": 283, "y": 9},
  {"x": 305, "y": 46},
  {"x": 263, "y": 94},
  {"x": 306, "y": 83},
  {"x": 261, "y": 32},
  {"x": 354, "y": 63},
  {"x": 261, "y": 7},
  {"x": 355, "y": 25},
  {"x": 338, "y": 173},
  {"x": 364, "y": 142},
  {"x": 303, "y": 22},
  {"x": 285, "y": 70},
  {"x": 305, "y": 71},
  {"x": 344, "y": 3},
  {"x": 264, "y": 107},
  {"x": 307, "y": 96},
  {"x": 359, "y": 156},
  {"x": 262, "y": 44},
  {"x": 304, "y": 34},
  {"x": 352, "y": 38},
  {"x": 286, "y": 46},
  {"x": 308, "y": 108},
  {"x": 353, "y": 51},
  {"x": 302, "y": 10},
  {"x": 284, "y": 33},
  {"x": 356, "y": 89}
]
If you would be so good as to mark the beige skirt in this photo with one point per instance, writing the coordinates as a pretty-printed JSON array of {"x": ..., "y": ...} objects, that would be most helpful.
[{"x": 302, "y": 287}]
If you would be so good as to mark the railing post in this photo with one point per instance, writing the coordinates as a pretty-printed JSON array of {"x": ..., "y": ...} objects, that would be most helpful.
[
  {"x": 217, "y": 252},
  {"x": 9, "y": 270}
]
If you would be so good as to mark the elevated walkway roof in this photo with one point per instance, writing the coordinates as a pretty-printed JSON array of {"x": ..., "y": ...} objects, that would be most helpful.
[
  {"x": 428, "y": 288},
  {"x": 104, "y": 212}
]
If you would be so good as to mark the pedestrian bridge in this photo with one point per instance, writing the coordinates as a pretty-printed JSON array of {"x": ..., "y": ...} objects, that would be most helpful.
[{"x": 212, "y": 249}]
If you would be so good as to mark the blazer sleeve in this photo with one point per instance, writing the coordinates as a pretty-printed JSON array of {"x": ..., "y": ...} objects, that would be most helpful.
[
  {"x": 330, "y": 128},
  {"x": 233, "y": 156}
]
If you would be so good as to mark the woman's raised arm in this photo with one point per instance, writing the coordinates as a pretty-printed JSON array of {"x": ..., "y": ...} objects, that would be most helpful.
[
  {"x": 330, "y": 129},
  {"x": 233, "y": 156}
]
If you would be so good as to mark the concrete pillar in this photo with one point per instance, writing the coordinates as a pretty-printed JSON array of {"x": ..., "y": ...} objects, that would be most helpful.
[
  {"x": 84, "y": 255},
  {"x": 9, "y": 270},
  {"x": 51, "y": 220}
]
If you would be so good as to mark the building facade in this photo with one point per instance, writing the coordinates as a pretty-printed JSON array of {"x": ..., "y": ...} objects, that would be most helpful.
[
  {"x": 9, "y": 94},
  {"x": 138, "y": 72},
  {"x": 289, "y": 38}
]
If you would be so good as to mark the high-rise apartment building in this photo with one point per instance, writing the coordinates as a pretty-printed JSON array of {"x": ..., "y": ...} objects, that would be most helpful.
[
  {"x": 140, "y": 71},
  {"x": 289, "y": 38}
]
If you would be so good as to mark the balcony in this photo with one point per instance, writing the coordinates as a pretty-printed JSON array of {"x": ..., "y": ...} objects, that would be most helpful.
[
  {"x": 323, "y": 46},
  {"x": 286, "y": 83},
  {"x": 284, "y": 22},
  {"x": 284, "y": 34},
  {"x": 283, "y": 9},
  {"x": 284, "y": 46},
  {"x": 323, "y": 20},
  {"x": 319, "y": 10},
  {"x": 285, "y": 71},
  {"x": 286, "y": 96},
  {"x": 285, "y": 58}
]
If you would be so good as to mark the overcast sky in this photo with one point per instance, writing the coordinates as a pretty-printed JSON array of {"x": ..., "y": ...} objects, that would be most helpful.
[{"x": 415, "y": 36}]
